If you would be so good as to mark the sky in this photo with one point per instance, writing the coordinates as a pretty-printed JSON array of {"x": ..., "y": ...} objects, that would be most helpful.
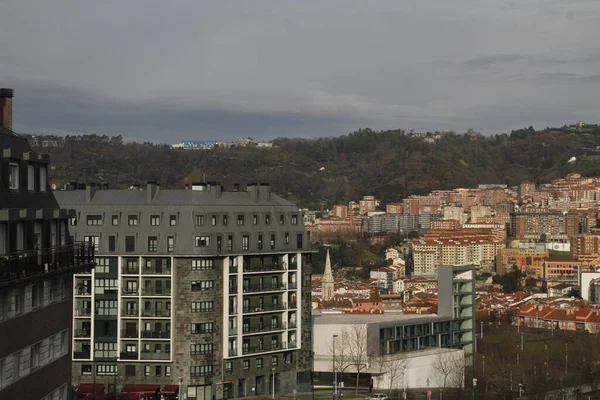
[{"x": 166, "y": 71}]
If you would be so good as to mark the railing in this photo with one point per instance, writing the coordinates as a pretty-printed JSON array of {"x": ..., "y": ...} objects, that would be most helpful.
[
  {"x": 27, "y": 264},
  {"x": 233, "y": 289},
  {"x": 262, "y": 349},
  {"x": 83, "y": 312},
  {"x": 292, "y": 305},
  {"x": 126, "y": 312},
  {"x": 233, "y": 270},
  {"x": 293, "y": 285},
  {"x": 292, "y": 324},
  {"x": 263, "y": 288},
  {"x": 293, "y": 265},
  {"x": 156, "y": 334},
  {"x": 292, "y": 344},
  {"x": 156, "y": 313},
  {"x": 125, "y": 270},
  {"x": 263, "y": 268},
  {"x": 155, "y": 356},
  {"x": 129, "y": 355},
  {"x": 82, "y": 333},
  {"x": 263, "y": 328},
  {"x": 265, "y": 307},
  {"x": 233, "y": 352},
  {"x": 83, "y": 291},
  {"x": 156, "y": 271},
  {"x": 156, "y": 292},
  {"x": 232, "y": 331},
  {"x": 84, "y": 355},
  {"x": 130, "y": 292},
  {"x": 125, "y": 334}
]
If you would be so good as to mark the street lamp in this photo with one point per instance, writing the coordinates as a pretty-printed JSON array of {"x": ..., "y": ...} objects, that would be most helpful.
[
  {"x": 273, "y": 383},
  {"x": 334, "y": 370}
]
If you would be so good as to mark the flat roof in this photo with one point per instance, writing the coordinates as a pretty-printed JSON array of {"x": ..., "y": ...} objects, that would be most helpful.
[{"x": 333, "y": 318}]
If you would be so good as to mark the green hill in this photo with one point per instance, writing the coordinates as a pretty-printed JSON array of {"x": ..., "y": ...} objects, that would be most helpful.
[{"x": 390, "y": 164}]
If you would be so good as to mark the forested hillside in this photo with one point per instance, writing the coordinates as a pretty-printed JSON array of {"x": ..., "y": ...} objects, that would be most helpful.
[{"x": 390, "y": 165}]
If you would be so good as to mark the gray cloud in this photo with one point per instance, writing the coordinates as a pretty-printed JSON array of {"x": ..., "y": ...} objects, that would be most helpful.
[{"x": 167, "y": 71}]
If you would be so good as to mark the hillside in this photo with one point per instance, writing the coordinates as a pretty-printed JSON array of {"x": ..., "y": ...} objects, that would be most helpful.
[{"x": 389, "y": 164}]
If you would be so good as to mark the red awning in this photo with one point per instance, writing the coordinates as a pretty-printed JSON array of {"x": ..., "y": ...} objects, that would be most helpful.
[
  {"x": 88, "y": 388},
  {"x": 170, "y": 390},
  {"x": 146, "y": 389}
]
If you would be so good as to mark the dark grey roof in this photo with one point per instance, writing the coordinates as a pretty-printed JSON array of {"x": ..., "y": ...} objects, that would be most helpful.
[
  {"x": 9, "y": 139},
  {"x": 167, "y": 197}
]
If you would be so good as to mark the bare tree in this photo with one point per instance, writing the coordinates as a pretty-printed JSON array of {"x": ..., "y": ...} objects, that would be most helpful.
[
  {"x": 450, "y": 366},
  {"x": 341, "y": 358},
  {"x": 357, "y": 349},
  {"x": 392, "y": 365}
]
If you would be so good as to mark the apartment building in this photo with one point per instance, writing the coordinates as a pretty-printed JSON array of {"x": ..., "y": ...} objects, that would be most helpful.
[
  {"x": 400, "y": 223},
  {"x": 203, "y": 288},
  {"x": 532, "y": 225},
  {"x": 585, "y": 247},
  {"x": 367, "y": 204},
  {"x": 37, "y": 261},
  {"x": 528, "y": 261}
]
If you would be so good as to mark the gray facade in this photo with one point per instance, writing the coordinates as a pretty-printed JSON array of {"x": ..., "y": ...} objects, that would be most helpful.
[
  {"x": 37, "y": 261},
  {"x": 400, "y": 223},
  {"x": 206, "y": 285}
]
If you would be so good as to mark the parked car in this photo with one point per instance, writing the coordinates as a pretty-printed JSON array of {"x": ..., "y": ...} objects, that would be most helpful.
[{"x": 377, "y": 396}]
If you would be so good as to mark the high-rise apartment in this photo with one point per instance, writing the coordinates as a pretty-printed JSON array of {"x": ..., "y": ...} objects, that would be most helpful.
[
  {"x": 202, "y": 288},
  {"x": 37, "y": 261}
]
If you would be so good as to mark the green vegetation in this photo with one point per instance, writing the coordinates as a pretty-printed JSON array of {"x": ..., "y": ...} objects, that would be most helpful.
[
  {"x": 554, "y": 254},
  {"x": 390, "y": 164},
  {"x": 511, "y": 281}
]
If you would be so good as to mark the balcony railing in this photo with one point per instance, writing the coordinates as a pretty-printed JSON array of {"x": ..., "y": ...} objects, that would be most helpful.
[
  {"x": 127, "y": 312},
  {"x": 263, "y": 328},
  {"x": 233, "y": 270},
  {"x": 263, "y": 268},
  {"x": 263, "y": 288},
  {"x": 156, "y": 334},
  {"x": 156, "y": 271},
  {"x": 29, "y": 264},
  {"x": 293, "y": 265},
  {"x": 264, "y": 307},
  {"x": 156, "y": 313},
  {"x": 129, "y": 355},
  {"x": 262, "y": 349},
  {"x": 83, "y": 312},
  {"x": 125, "y": 334},
  {"x": 130, "y": 270},
  {"x": 293, "y": 285},
  {"x": 83, "y": 355},
  {"x": 154, "y": 356},
  {"x": 81, "y": 290},
  {"x": 233, "y": 289},
  {"x": 156, "y": 292},
  {"x": 233, "y": 352},
  {"x": 292, "y": 305},
  {"x": 130, "y": 292},
  {"x": 82, "y": 333}
]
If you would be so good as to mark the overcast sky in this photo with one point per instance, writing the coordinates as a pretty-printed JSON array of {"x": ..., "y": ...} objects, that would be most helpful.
[{"x": 165, "y": 71}]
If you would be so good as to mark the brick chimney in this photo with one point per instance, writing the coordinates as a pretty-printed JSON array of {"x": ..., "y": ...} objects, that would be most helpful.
[{"x": 6, "y": 117}]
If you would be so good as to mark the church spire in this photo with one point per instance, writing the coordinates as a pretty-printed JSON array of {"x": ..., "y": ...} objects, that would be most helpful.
[{"x": 327, "y": 282}]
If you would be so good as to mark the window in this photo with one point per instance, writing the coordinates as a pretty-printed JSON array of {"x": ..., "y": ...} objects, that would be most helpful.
[
  {"x": 200, "y": 220},
  {"x": 130, "y": 370},
  {"x": 202, "y": 327},
  {"x": 219, "y": 242},
  {"x": 224, "y": 219},
  {"x": 146, "y": 370},
  {"x": 112, "y": 244},
  {"x": 202, "y": 241},
  {"x": 73, "y": 221},
  {"x": 43, "y": 178},
  {"x": 95, "y": 240},
  {"x": 203, "y": 306},
  {"x": 287, "y": 238},
  {"x": 86, "y": 369},
  {"x": 158, "y": 370},
  {"x": 228, "y": 366},
  {"x": 213, "y": 220},
  {"x": 255, "y": 219},
  {"x": 172, "y": 220},
  {"x": 294, "y": 219},
  {"x": 246, "y": 364},
  {"x": 245, "y": 242},
  {"x": 167, "y": 370},
  {"x": 94, "y": 220},
  {"x": 240, "y": 219},
  {"x": 170, "y": 244},
  {"x": 267, "y": 219},
  {"x": 201, "y": 370},
  {"x": 229, "y": 243},
  {"x": 281, "y": 219},
  {"x": 132, "y": 220},
  {"x": 115, "y": 220},
  {"x": 199, "y": 349},
  {"x": 272, "y": 241},
  {"x": 129, "y": 244},
  {"x": 102, "y": 266},
  {"x": 152, "y": 244},
  {"x": 202, "y": 285},
  {"x": 34, "y": 356},
  {"x": 260, "y": 242},
  {"x": 30, "y": 177},
  {"x": 154, "y": 220},
  {"x": 201, "y": 264},
  {"x": 106, "y": 369},
  {"x": 13, "y": 176},
  {"x": 274, "y": 360},
  {"x": 299, "y": 240},
  {"x": 259, "y": 362}
]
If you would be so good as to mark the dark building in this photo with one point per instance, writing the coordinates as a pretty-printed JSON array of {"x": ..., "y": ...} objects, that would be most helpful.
[
  {"x": 37, "y": 261},
  {"x": 203, "y": 288}
]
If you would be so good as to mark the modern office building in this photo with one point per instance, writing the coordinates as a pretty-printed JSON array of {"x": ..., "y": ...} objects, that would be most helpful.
[
  {"x": 203, "y": 288},
  {"x": 37, "y": 261}
]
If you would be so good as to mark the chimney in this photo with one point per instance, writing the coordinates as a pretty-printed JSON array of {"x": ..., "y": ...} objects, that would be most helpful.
[
  {"x": 6, "y": 114},
  {"x": 253, "y": 189},
  {"x": 152, "y": 188},
  {"x": 90, "y": 190},
  {"x": 217, "y": 190},
  {"x": 265, "y": 191}
]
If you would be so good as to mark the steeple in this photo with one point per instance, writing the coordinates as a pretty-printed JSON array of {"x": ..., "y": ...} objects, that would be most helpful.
[{"x": 327, "y": 283}]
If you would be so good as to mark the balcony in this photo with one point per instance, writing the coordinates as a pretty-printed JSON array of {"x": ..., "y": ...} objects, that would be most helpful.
[
  {"x": 130, "y": 270},
  {"x": 264, "y": 308},
  {"x": 293, "y": 285},
  {"x": 126, "y": 334},
  {"x": 25, "y": 265},
  {"x": 156, "y": 313},
  {"x": 156, "y": 334},
  {"x": 156, "y": 292},
  {"x": 233, "y": 289},
  {"x": 263, "y": 328},
  {"x": 294, "y": 265},
  {"x": 130, "y": 292},
  {"x": 154, "y": 270},
  {"x": 264, "y": 267},
  {"x": 81, "y": 333},
  {"x": 83, "y": 312},
  {"x": 155, "y": 356},
  {"x": 233, "y": 353},
  {"x": 292, "y": 305},
  {"x": 127, "y": 312},
  {"x": 129, "y": 355},
  {"x": 81, "y": 290},
  {"x": 264, "y": 288},
  {"x": 233, "y": 269},
  {"x": 81, "y": 355},
  {"x": 263, "y": 349}
]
